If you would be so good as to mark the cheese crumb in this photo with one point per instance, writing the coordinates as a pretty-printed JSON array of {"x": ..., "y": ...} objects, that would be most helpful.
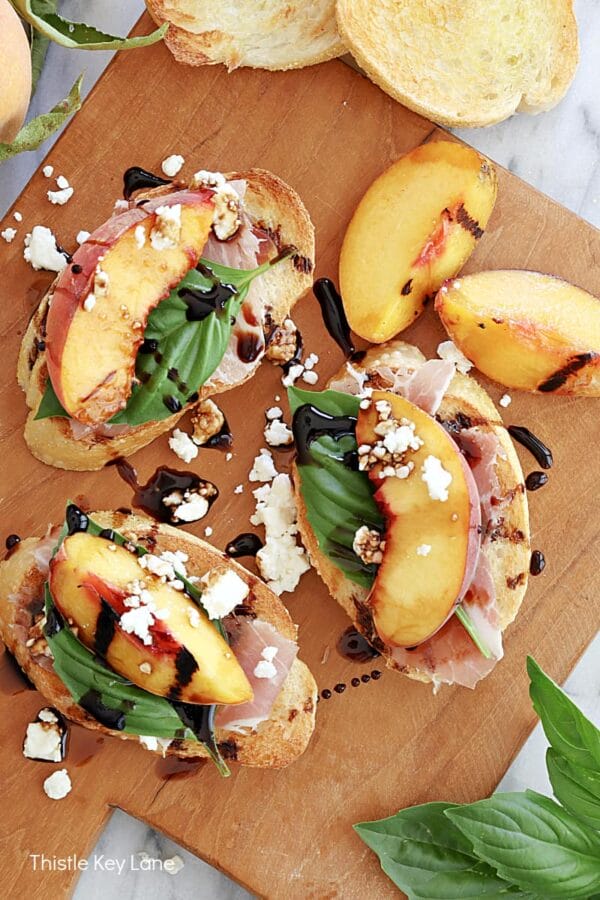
[
  {"x": 448, "y": 351},
  {"x": 423, "y": 549},
  {"x": 41, "y": 250},
  {"x": 265, "y": 669},
  {"x": 172, "y": 165},
  {"x": 48, "y": 171},
  {"x": 294, "y": 372},
  {"x": 44, "y": 738},
  {"x": 436, "y": 478},
  {"x": 264, "y": 467},
  {"x": 17, "y": 217},
  {"x": 57, "y": 785},
  {"x": 281, "y": 560},
  {"x": 140, "y": 236},
  {"x": 310, "y": 377},
  {"x": 222, "y": 591},
  {"x": 278, "y": 434},
  {"x": 89, "y": 302},
  {"x": 9, "y": 234},
  {"x": 183, "y": 446},
  {"x": 59, "y": 198},
  {"x": 82, "y": 237},
  {"x": 505, "y": 400},
  {"x": 238, "y": 489},
  {"x": 166, "y": 231},
  {"x": 208, "y": 531},
  {"x": 61, "y": 182}
]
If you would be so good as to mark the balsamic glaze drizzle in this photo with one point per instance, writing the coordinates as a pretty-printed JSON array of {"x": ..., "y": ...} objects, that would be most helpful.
[
  {"x": 538, "y": 563},
  {"x": 136, "y": 178},
  {"x": 354, "y": 646},
  {"x": 309, "y": 423},
  {"x": 334, "y": 315},
  {"x": 541, "y": 453},
  {"x": 536, "y": 480},
  {"x": 163, "y": 482},
  {"x": 245, "y": 544},
  {"x": 108, "y": 716}
]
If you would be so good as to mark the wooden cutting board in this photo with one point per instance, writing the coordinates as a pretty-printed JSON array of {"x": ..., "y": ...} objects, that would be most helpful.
[{"x": 385, "y": 744}]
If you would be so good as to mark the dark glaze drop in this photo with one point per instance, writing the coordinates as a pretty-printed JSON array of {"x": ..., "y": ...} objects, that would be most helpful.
[
  {"x": 172, "y": 403},
  {"x": 536, "y": 480},
  {"x": 309, "y": 423},
  {"x": 326, "y": 694},
  {"x": 334, "y": 315},
  {"x": 11, "y": 543},
  {"x": 198, "y": 718},
  {"x": 136, "y": 178},
  {"x": 541, "y": 453},
  {"x": 54, "y": 622},
  {"x": 222, "y": 440},
  {"x": 149, "y": 496},
  {"x": 245, "y": 544},
  {"x": 105, "y": 628},
  {"x": 76, "y": 520},
  {"x": 354, "y": 646},
  {"x": 201, "y": 302},
  {"x": 538, "y": 562},
  {"x": 172, "y": 767},
  {"x": 340, "y": 687},
  {"x": 106, "y": 715}
]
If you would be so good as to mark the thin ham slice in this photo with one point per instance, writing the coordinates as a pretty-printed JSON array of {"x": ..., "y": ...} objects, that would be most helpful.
[
  {"x": 483, "y": 449},
  {"x": 450, "y": 656},
  {"x": 249, "y": 637}
]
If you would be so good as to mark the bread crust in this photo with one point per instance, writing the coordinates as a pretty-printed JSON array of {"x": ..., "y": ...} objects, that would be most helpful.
[
  {"x": 462, "y": 63},
  {"x": 508, "y": 552},
  {"x": 264, "y": 34},
  {"x": 277, "y": 741},
  {"x": 272, "y": 204}
]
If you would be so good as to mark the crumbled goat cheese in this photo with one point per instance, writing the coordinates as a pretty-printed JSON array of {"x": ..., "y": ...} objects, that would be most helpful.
[
  {"x": 436, "y": 478},
  {"x": 172, "y": 165},
  {"x": 283, "y": 343},
  {"x": 183, "y": 446},
  {"x": 61, "y": 182},
  {"x": 310, "y": 377},
  {"x": 154, "y": 743},
  {"x": 423, "y": 549},
  {"x": 222, "y": 591},
  {"x": 265, "y": 669},
  {"x": 274, "y": 412},
  {"x": 138, "y": 621},
  {"x": 207, "y": 421},
  {"x": 89, "y": 302},
  {"x": 311, "y": 361},
  {"x": 101, "y": 282},
  {"x": 278, "y": 434},
  {"x": 169, "y": 565},
  {"x": 449, "y": 351},
  {"x": 59, "y": 198},
  {"x": 121, "y": 205},
  {"x": 264, "y": 467},
  {"x": 173, "y": 865},
  {"x": 294, "y": 372},
  {"x": 82, "y": 237},
  {"x": 41, "y": 250},
  {"x": 140, "y": 236},
  {"x": 57, "y": 785},
  {"x": 228, "y": 456},
  {"x": 48, "y": 171},
  {"x": 17, "y": 216},
  {"x": 395, "y": 439},
  {"x": 238, "y": 489},
  {"x": 505, "y": 400},
  {"x": 368, "y": 545},
  {"x": 208, "y": 531},
  {"x": 166, "y": 231},
  {"x": 9, "y": 234},
  {"x": 281, "y": 560},
  {"x": 44, "y": 738},
  {"x": 226, "y": 202},
  {"x": 191, "y": 508}
]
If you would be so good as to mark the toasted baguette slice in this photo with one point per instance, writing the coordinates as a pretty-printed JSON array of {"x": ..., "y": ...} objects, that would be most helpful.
[
  {"x": 270, "y": 203},
  {"x": 276, "y": 742},
  {"x": 508, "y": 548},
  {"x": 268, "y": 34},
  {"x": 463, "y": 62}
]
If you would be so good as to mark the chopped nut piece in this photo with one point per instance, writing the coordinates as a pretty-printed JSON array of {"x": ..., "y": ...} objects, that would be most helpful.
[
  {"x": 207, "y": 421},
  {"x": 283, "y": 343},
  {"x": 368, "y": 545},
  {"x": 397, "y": 438}
]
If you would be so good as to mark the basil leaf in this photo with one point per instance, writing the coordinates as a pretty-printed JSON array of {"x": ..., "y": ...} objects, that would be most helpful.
[
  {"x": 338, "y": 499},
  {"x": 39, "y": 44},
  {"x": 39, "y": 129},
  {"x": 429, "y": 858},
  {"x": 78, "y": 35},
  {"x": 532, "y": 842},
  {"x": 569, "y": 732},
  {"x": 577, "y": 789},
  {"x": 50, "y": 405}
]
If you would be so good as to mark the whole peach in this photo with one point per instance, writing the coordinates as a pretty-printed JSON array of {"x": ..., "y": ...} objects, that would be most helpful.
[{"x": 15, "y": 72}]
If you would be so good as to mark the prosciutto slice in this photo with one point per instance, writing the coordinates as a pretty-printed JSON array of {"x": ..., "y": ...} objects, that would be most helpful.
[
  {"x": 482, "y": 450},
  {"x": 450, "y": 656},
  {"x": 249, "y": 638}
]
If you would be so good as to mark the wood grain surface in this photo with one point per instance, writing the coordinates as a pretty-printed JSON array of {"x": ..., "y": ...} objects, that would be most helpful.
[{"x": 383, "y": 745}]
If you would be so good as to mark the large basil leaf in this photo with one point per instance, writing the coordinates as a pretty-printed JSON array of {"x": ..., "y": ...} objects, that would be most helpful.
[
  {"x": 77, "y": 34},
  {"x": 144, "y": 713},
  {"x": 532, "y": 842},
  {"x": 338, "y": 499},
  {"x": 39, "y": 129},
  {"x": 569, "y": 732},
  {"x": 577, "y": 789},
  {"x": 429, "y": 858}
]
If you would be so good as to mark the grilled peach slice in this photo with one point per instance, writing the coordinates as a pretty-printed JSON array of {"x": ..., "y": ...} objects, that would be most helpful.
[
  {"x": 103, "y": 298},
  {"x": 415, "y": 227},
  {"x": 526, "y": 330},
  {"x": 177, "y": 653},
  {"x": 431, "y": 545}
]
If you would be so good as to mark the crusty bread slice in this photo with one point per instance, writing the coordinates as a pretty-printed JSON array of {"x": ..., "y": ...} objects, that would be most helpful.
[
  {"x": 277, "y": 742},
  {"x": 464, "y": 62},
  {"x": 507, "y": 549},
  {"x": 263, "y": 34},
  {"x": 273, "y": 205}
]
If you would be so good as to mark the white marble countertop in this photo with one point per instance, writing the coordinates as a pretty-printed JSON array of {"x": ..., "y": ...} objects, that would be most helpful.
[{"x": 559, "y": 153}]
